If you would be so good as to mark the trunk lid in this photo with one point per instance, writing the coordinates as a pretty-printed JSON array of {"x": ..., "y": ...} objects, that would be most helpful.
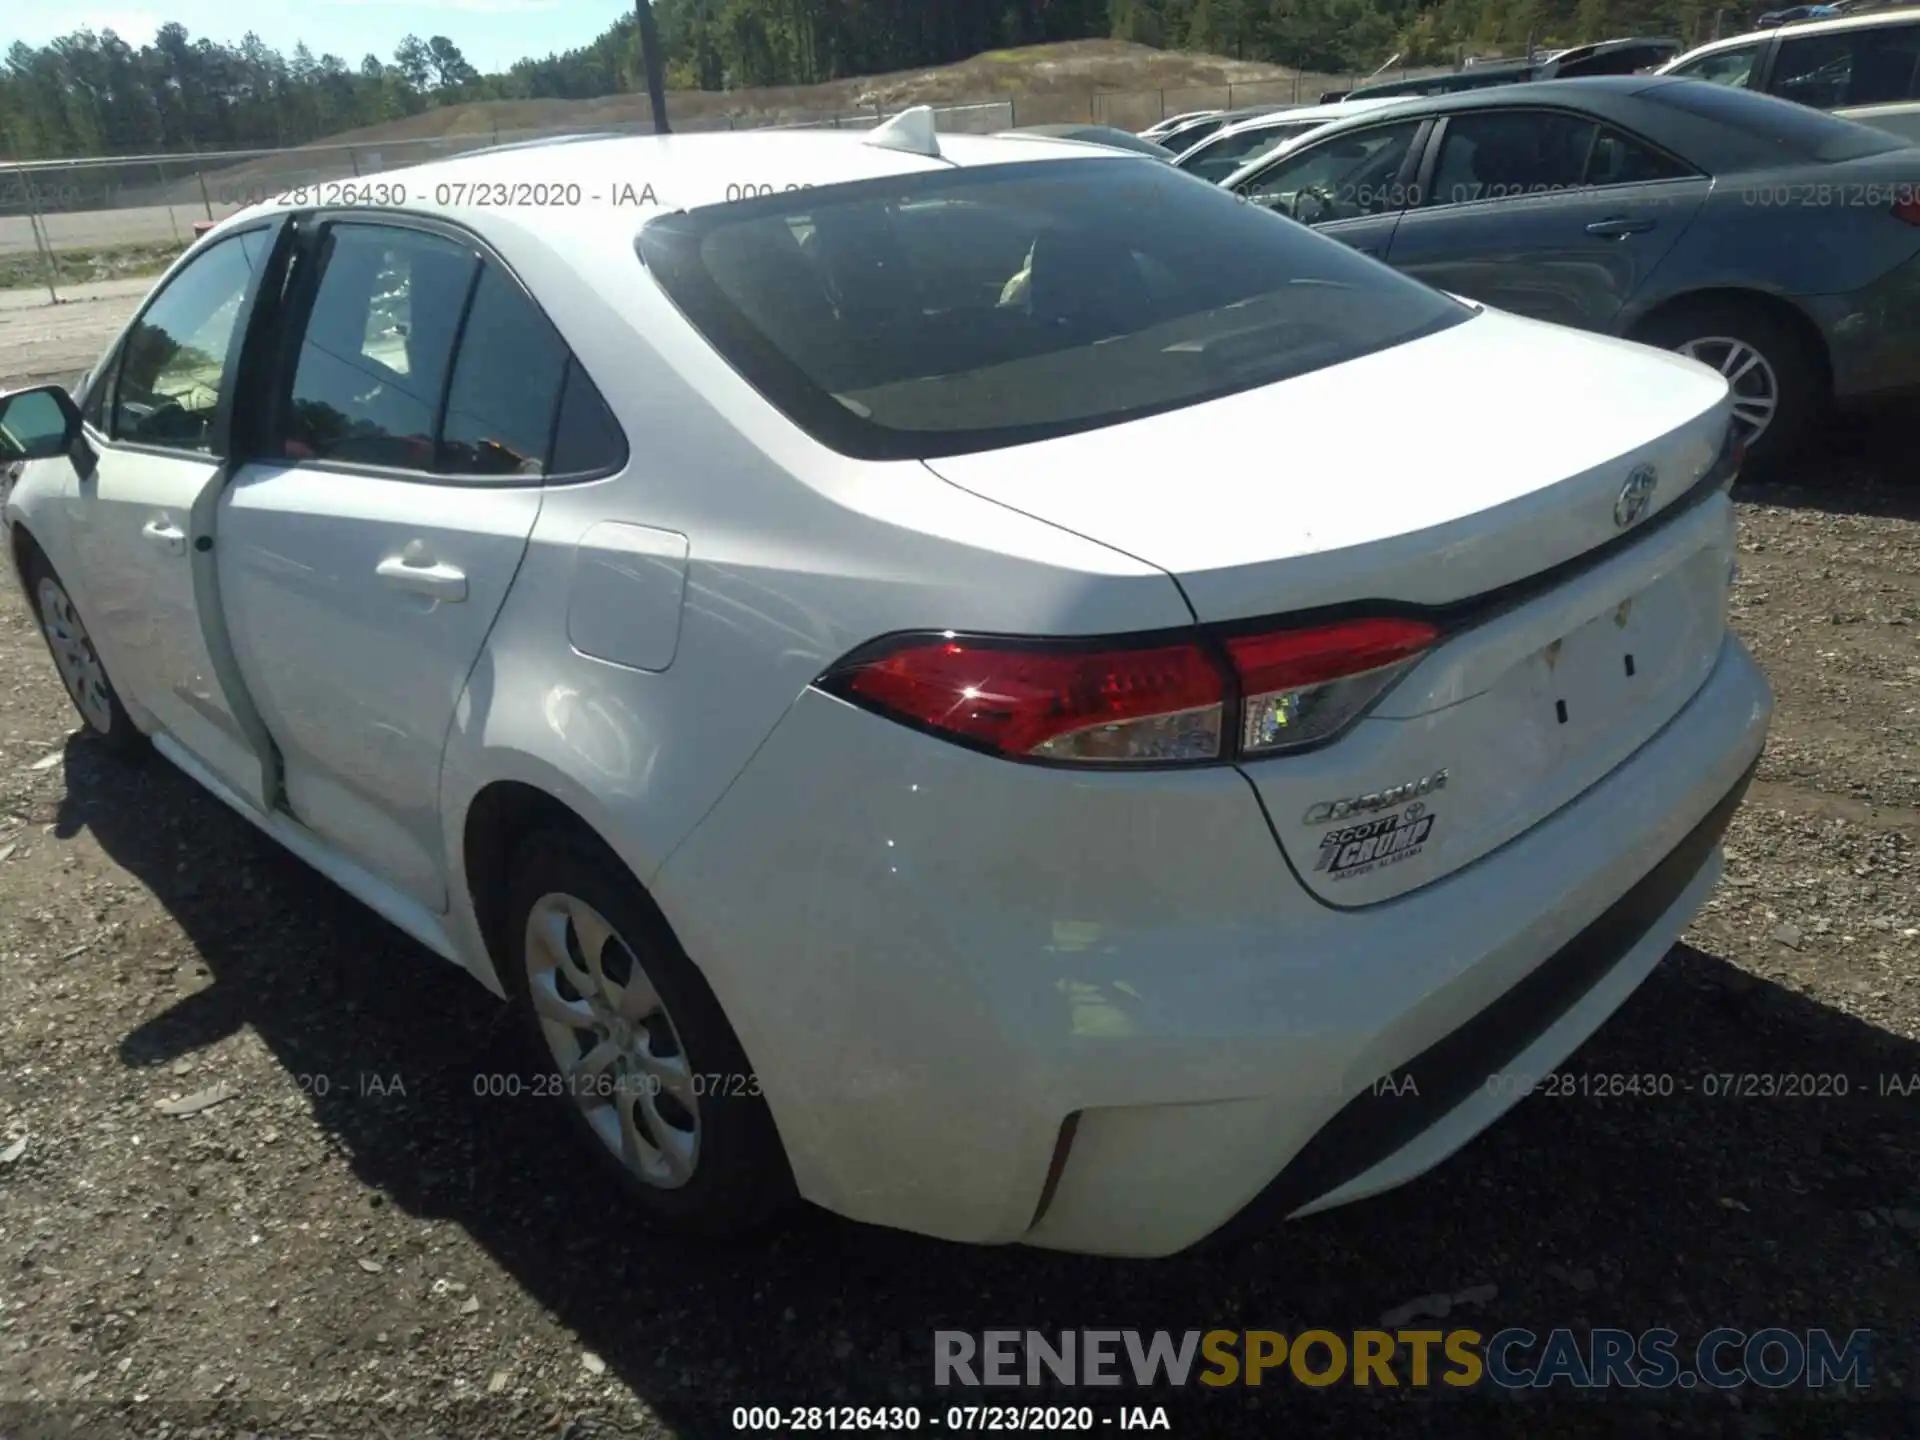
[
  {"x": 1436, "y": 470},
  {"x": 1432, "y": 474}
]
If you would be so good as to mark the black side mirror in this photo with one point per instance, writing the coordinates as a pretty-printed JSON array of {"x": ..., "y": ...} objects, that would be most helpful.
[{"x": 38, "y": 424}]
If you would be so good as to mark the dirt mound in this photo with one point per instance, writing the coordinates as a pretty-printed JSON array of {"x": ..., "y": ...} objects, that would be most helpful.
[{"x": 1078, "y": 66}]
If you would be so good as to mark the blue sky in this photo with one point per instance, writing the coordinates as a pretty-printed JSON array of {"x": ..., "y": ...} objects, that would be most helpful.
[{"x": 492, "y": 34}]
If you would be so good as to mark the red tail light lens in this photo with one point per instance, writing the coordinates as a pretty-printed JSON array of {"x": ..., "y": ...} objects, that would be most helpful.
[
  {"x": 1078, "y": 702},
  {"x": 1908, "y": 210},
  {"x": 1304, "y": 686},
  {"x": 1065, "y": 702}
]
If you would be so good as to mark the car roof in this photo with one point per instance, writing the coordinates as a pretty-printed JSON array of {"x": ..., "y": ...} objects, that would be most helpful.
[
  {"x": 1487, "y": 77},
  {"x": 1864, "y": 20},
  {"x": 1315, "y": 114},
  {"x": 625, "y": 181},
  {"x": 1532, "y": 93},
  {"x": 1088, "y": 133},
  {"x": 1717, "y": 145},
  {"x": 1607, "y": 47}
]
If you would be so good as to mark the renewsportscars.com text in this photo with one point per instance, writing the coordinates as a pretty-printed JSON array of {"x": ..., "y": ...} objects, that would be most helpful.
[{"x": 1509, "y": 1359}]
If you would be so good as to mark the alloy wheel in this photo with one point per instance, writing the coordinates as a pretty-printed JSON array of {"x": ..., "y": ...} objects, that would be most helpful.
[
  {"x": 618, "y": 1053},
  {"x": 74, "y": 655},
  {"x": 1756, "y": 388}
]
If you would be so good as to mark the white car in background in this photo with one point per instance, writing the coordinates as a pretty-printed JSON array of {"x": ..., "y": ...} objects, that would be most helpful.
[
  {"x": 1865, "y": 67},
  {"x": 1227, "y": 150},
  {"x": 888, "y": 731}
]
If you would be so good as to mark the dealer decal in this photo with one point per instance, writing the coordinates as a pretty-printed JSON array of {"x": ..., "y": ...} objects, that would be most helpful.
[{"x": 1375, "y": 844}]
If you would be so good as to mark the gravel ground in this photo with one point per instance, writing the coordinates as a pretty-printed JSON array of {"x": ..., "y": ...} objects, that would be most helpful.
[{"x": 350, "y": 1242}]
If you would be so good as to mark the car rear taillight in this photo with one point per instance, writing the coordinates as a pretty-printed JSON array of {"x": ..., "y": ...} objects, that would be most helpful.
[
  {"x": 1908, "y": 210},
  {"x": 1305, "y": 686},
  {"x": 1068, "y": 702},
  {"x": 1113, "y": 703}
]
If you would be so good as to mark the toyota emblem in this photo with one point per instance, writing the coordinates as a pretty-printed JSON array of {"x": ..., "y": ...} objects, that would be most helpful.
[{"x": 1635, "y": 495}]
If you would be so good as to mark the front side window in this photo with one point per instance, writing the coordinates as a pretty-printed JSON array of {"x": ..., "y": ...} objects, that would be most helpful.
[
  {"x": 1341, "y": 178},
  {"x": 966, "y": 309},
  {"x": 379, "y": 338},
  {"x": 168, "y": 384},
  {"x": 1731, "y": 66},
  {"x": 1218, "y": 158},
  {"x": 1509, "y": 154}
]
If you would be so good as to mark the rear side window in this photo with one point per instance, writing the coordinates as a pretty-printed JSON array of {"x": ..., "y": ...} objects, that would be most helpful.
[
  {"x": 1760, "y": 123},
  {"x": 419, "y": 355},
  {"x": 1619, "y": 159},
  {"x": 969, "y": 309},
  {"x": 587, "y": 440},
  {"x": 506, "y": 385},
  {"x": 379, "y": 340},
  {"x": 1874, "y": 66}
]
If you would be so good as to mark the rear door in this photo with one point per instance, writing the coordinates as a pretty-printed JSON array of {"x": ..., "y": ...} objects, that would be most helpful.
[
  {"x": 367, "y": 547},
  {"x": 1352, "y": 186},
  {"x": 1547, "y": 213}
]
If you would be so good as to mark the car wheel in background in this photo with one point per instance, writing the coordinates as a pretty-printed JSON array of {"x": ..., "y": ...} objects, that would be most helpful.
[
  {"x": 81, "y": 669},
  {"x": 634, "y": 1044},
  {"x": 1776, "y": 383}
]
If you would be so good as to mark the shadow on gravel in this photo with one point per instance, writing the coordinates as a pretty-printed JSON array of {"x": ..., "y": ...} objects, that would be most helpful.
[
  {"x": 1688, "y": 1211},
  {"x": 1858, "y": 465}
]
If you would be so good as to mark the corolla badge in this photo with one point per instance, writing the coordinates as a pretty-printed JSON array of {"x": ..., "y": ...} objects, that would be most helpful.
[{"x": 1635, "y": 495}]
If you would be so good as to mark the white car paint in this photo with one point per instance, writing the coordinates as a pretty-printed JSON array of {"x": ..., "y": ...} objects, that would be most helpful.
[{"x": 934, "y": 957}]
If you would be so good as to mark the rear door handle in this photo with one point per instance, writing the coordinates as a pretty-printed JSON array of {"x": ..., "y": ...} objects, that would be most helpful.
[
  {"x": 166, "y": 535},
  {"x": 437, "y": 582},
  {"x": 1618, "y": 225}
]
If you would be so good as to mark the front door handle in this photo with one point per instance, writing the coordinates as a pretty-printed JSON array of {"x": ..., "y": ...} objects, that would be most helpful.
[
  {"x": 166, "y": 535},
  {"x": 1617, "y": 226},
  {"x": 437, "y": 582}
]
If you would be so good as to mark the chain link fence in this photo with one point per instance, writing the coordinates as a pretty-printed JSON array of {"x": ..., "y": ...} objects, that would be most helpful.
[{"x": 69, "y": 223}]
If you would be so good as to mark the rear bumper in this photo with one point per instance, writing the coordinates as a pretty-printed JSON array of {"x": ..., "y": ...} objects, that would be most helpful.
[
  {"x": 1454, "y": 1085},
  {"x": 1873, "y": 336},
  {"x": 935, "y": 959}
]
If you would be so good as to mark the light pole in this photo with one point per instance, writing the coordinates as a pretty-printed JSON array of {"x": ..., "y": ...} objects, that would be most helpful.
[{"x": 650, "y": 59}]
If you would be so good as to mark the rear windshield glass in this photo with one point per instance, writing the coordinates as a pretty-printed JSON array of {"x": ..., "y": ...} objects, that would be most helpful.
[
  {"x": 968, "y": 309},
  {"x": 1780, "y": 126}
]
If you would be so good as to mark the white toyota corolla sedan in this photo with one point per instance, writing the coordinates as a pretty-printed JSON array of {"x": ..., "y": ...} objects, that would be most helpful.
[{"x": 979, "y": 682}]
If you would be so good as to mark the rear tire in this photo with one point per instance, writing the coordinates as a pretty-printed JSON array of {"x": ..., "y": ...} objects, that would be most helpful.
[
  {"x": 1776, "y": 382},
  {"x": 634, "y": 1046},
  {"x": 81, "y": 669}
]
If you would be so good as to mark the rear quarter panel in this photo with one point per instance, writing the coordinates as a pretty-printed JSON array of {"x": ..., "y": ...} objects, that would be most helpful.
[
  {"x": 1821, "y": 230},
  {"x": 794, "y": 555}
]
